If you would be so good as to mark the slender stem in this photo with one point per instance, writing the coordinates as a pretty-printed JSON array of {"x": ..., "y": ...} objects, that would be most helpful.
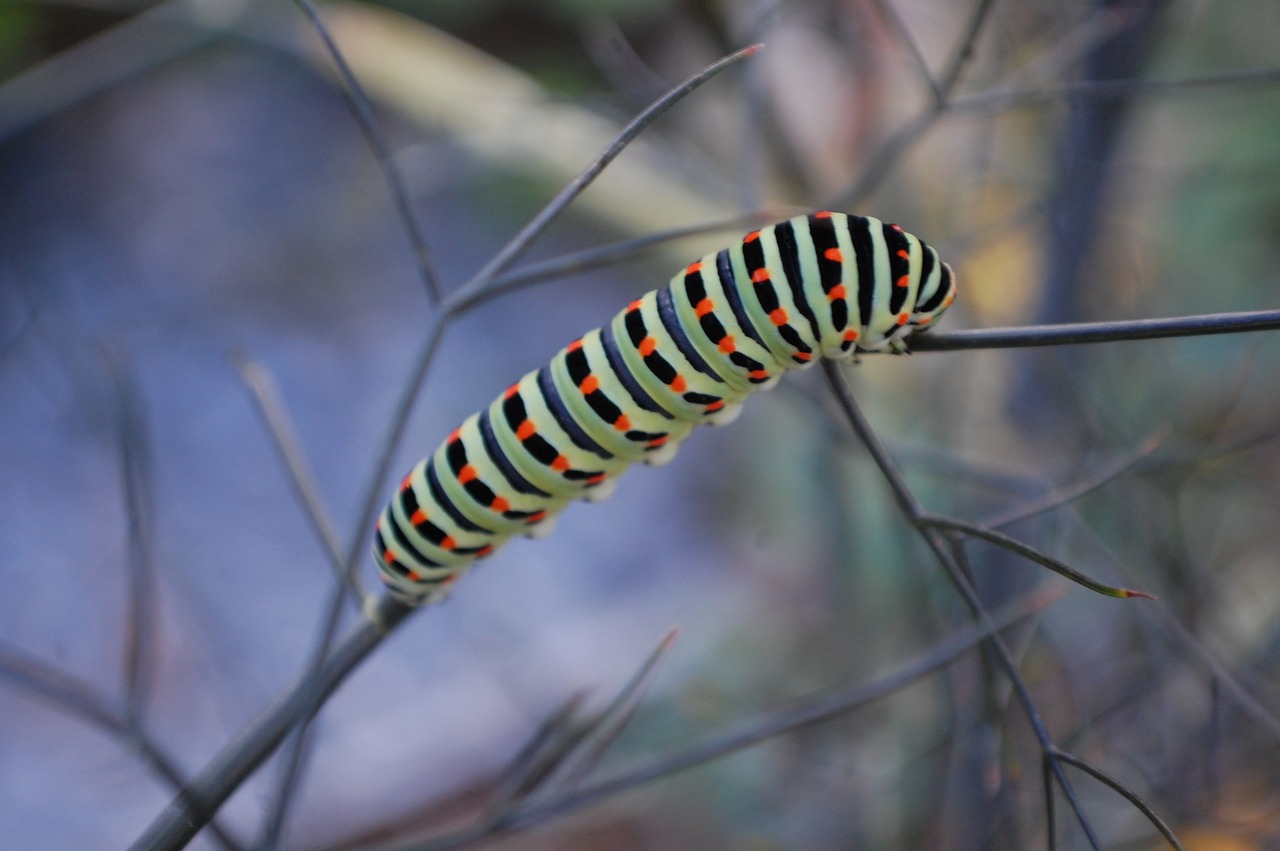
[
  {"x": 916, "y": 514},
  {"x": 950, "y": 78},
  {"x": 390, "y": 442},
  {"x": 521, "y": 241},
  {"x": 1122, "y": 790},
  {"x": 190, "y": 811},
  {"x": 1004, "y": 97},
  {"x": 879, "y": 166},
  {"x": 299, "y": 747},
  {"x": 140, "y": 615},
  {"x": 267, "y": 396},
  {"x": 359, "y": 104},
  {"x": 76, "y": 697},
  {"x": 827, "y": 706},
  {"x": 568, "y": 264},
  {"x": 1073, "y": 333},
  {"x": 614, "y": 718},
  {"x": 903, "y": 35},
  {"x": 1015, "y": 546},
  {"x": 1069, "y": 493}
]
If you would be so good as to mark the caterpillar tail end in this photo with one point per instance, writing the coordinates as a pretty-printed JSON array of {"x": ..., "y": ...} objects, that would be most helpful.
[
  {"x": 410, "y": 591},
  {"x": 417, "y": 596}
]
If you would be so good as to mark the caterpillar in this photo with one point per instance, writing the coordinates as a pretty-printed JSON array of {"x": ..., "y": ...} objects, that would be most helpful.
[{"x": 826, "y": 285}]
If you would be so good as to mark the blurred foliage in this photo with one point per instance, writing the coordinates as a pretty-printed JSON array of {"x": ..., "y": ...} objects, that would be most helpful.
[{"x": 19, "y": 32}]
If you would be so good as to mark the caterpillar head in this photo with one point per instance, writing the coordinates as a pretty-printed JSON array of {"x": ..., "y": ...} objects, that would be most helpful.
[{"x": 935, "y": 296}]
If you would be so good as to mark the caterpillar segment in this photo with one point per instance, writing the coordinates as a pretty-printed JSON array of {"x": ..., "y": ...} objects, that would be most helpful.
[{"x": 826, "y": 285}]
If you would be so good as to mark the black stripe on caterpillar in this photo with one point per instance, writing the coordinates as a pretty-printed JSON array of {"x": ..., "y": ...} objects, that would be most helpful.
[{"x": 827, "y": 285}]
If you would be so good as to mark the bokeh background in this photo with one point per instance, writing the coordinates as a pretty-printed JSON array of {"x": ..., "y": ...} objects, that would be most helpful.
[{"x": 182, "y": 185}]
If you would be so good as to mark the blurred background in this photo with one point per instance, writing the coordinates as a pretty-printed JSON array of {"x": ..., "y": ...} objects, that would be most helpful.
[{"x": 183, "y": 184}]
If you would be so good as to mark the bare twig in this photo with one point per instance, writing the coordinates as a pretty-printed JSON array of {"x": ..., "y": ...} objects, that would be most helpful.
[
  {"x": 81, "y": 699},
  {"x": 390, "y": 442},
  {"x": 190, "y": 811},
  {"x": 887, "y": 11},
  {"x": 916, "y": 514},
  {"x": 1066, "y": 494},
  {"x": 830, "y": 705},
  {"x": 880, "y": 164},
  {"x": 1074, "y": 333},
  {"x": 267, "y": 397},
  {"x": 544, "y": 750},
  {"x": 1139, "y": 804},
  {"x": 135, "y": 478},
  {"x": 564, "y": 749},
  {"x": 1013, "y": 545},
  {"x": 525, "y": 237},
  {"x": 363, "y": 113},
  {"x": 348, "y": 574},
  {"x": 1002, "y": 98},
  {"x": 614, "y": 717},
  {"x": 593, "y": 258},
  {"x": 950, "y": 78},
  {"x": 299, "y": 749}
]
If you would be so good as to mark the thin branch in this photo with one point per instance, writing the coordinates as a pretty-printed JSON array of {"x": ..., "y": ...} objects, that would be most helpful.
[
  {"x": 1075, "y": 333},
  {"x": 1220, "y": 448},
  {"x": 914, "y": 512},
  {"x": 187, "y": 814},
  {"x": 828, "y": 706},
  {"x": 363, "y": 113},
  {"x": 78, "y": 698},
  {"x": 348, "y": 575},
  {"x": 374, "y": 492},
  {"x": 71, "y": 695},
  {"x": 879, "y": 166},
  {"x": 134, "y": 468},
  {"x": 614, "y": 717},
  {"x": 1172, "y": 630},
  {"x": 564, "y": 749},
  {"x": 950, "y": 78},
  {"x": 299, "y": 747},
  {"x": 267, "y": 398},
  {"x": 1013, "y": 545},
  {"x": 899, "y": 28},
  {"x": 1005, "y": 97},
  {"x": 1122, "y": 790},
  {"x": 1230, "y": 684},
  {"x": 521, "y": 241},
  {"x": 536, "y": 759},
  {"x": 1066, "y": 494},
  {"x": 121, "y": 52},
  {"x": 591, "y": 258}
]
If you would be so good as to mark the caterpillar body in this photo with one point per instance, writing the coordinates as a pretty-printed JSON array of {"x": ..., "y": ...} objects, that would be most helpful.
[{"x": 826, "y": 285}]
